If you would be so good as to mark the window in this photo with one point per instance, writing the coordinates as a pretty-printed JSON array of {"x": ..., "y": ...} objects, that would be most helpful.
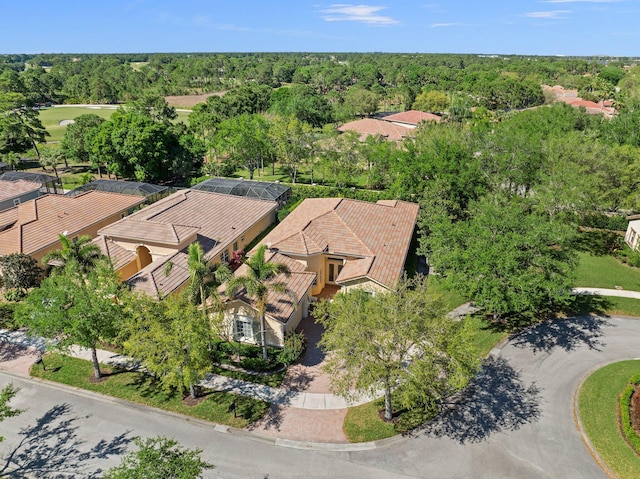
[
  {"x": 16, "y": 202},
  {"x": 224, "y": 257},
  {"x": 243, "y": 328},
  {"x": 235, "y": 246}
]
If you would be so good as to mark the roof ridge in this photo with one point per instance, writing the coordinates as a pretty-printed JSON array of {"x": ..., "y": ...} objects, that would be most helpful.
[{"x": 354, "y": 234}]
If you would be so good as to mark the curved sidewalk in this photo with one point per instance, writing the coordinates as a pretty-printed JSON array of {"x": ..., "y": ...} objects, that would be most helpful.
[
  {"x": 278, "y": 396},
  {"x": 620, "y": 293}
]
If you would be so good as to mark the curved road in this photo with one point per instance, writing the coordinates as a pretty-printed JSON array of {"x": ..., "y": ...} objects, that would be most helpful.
[{"x": 517, "y": 421}]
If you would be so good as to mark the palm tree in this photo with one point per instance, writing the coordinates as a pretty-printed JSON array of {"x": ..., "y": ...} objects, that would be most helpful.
[
  {"x": 82, "y": 250},
  {"x": 205, "y": 277},
  {"x": 258, "y": 283}
]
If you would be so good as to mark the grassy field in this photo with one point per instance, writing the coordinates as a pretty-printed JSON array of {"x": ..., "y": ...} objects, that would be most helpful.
[
  {"x": 141, "y": 388},
  {"x": 51, "y": 117},
  {"x": 598, "y": 412},
  {"x": 606, "y": 272}
]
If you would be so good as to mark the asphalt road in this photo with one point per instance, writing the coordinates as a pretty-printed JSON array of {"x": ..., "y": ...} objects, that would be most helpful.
[{"x": 517, "y": 422}]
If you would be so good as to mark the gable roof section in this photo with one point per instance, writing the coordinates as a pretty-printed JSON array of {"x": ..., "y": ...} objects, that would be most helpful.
[
  {"x": 40, "y": 221},
  {"x": 14, "y": 189},
  {"x": 380, "y": 231},
  {"x": 412, "y": 117},
  {"x": 371, "y": 127},
  {"x": 119, "y": 256},
  {"x": 151, "y": 231}
]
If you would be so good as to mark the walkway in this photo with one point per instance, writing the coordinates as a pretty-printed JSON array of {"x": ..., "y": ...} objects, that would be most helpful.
[{"x": 620, "y": 293}]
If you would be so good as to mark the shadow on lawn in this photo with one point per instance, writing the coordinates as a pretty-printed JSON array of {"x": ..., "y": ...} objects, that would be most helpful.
[
  {"x": 52, "y": 449},
  {"x": 496, "y": 400}
]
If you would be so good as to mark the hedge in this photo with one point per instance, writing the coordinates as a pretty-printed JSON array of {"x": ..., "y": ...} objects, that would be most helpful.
[{"x": 624, "y": 404}]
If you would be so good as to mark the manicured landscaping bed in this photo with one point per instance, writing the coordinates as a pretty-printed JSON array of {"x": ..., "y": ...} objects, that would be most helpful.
[
  {"x": 597, "y": 405},
  {"x": 141, "y": 388}
]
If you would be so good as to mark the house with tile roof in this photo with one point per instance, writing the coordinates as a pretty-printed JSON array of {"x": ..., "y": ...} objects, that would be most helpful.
[
  {"x": 12, "y": 193},
  {"x": 33, "y": 227},
  {"x": 343, "y": 244},
  {"x": 149, "y": 248},
  {"x": 411, "y": 118},
  {"x": 374, "y": 127}
]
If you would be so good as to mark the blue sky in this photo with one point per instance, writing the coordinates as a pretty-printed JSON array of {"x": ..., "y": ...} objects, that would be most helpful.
[{"x": 535, "y": 27}]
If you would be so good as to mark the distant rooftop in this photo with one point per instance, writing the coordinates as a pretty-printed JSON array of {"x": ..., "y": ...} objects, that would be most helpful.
[
  {"x": 48, "y": 183},
  {"x": 248, "y": 188}
]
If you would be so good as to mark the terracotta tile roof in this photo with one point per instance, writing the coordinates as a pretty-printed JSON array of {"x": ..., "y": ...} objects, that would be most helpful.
[
  {"x": 119, "y": 256},
  {"x": 381, "y": 231},
  {"x": 13, "y": 189},
  {"x": 370, "y": 126},
  {"x": 412, "y": 117},
  {"x": 151, "y": 231},
  {"x": 281, "y": 306},
  {"x": 40, "y": 221},
  {"x": 218, "y": 219}
]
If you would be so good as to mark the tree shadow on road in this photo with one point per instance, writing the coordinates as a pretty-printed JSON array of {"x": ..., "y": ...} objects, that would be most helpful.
[
  {"x": 567, "y": 334},
  {"x": 51, "y": 449},
  {"x": 271, "y": 420},
  {"x": 496, "y": 400}
]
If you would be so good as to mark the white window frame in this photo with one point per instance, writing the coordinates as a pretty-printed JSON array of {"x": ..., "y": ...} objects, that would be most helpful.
[{"x": 243, "y": 324}]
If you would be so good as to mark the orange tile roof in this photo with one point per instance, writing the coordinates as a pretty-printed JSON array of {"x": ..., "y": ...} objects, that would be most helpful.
[
  {"x": 380, "y": 231},
  {"x": 40, "y": 221},
  {"x": 371, "y": 127},
  {"x": 218, "y": 219},
  {"x": 280, "y": 306},
  {"x": 13, "y": 189},
  {"x": 119, "y": 256},
  {"x": 412, "y": 117}
]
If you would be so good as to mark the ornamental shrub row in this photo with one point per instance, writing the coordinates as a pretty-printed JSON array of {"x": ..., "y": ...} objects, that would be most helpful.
[{"x": 625, "y": 414}]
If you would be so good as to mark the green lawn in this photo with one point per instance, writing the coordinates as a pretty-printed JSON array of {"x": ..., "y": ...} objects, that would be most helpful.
[
  {"x": 51, "y": 118},
  {"x": 141, "y": 388},
  {"x": 606, "y": 272},
  {"x": 598, "y": 412}
]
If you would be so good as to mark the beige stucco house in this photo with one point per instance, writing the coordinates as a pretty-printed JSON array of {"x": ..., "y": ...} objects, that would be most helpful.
[
  {"x": 632, "y": 236},
  {"x": 142, "y": 245},
  {"x": 329, "y": 244}
]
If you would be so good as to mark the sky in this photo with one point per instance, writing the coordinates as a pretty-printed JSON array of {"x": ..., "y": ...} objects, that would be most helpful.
[{"x": 525, "y": 27}]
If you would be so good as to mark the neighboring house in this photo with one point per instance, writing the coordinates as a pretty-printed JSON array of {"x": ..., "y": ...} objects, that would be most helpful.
[
  {"x": 411, "y": 118},
  {"x": 372, "y": 127},
  {"x": 632, "y": 236},
  {"x": 344, "y": 243},
  {"x": 151, "y": 193},
  {"x": 33, "y": 227},
  {"x": 149, "y": 248},
  {"x": 48, "y": 183},
  {"x": 12, "y": 193}
]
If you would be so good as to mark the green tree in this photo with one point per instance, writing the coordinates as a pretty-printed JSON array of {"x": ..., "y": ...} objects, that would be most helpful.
[
  {"x": 155, "y": 107},
  {"x": 171, "y": 339},
  {"x": 433, "y": 100},
  {"x": 361, "y": 102},
  {"x": 80, "y": 251},
  {"x": 205, "y": 278},
  {"x": 19, "y": 271},
  {"x": 259, "y": 279},
  {"x": 76, "y": 141},
  {"x": 75, "y": 307},
  {"x": 400, "y": 342},
  {"x": 292, "y": 142},
  {"x": 20, "y": 127},
  {"x": 508, "y": 258},
  {"x": 244, "y": 140},
  {"x": 6, "y": 411},
  {"x": 51, "y": 157},
  {"x": 159, "y": 458}
]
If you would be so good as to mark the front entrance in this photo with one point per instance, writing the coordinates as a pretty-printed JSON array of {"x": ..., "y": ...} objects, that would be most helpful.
[{"x": 335, "y": 266}]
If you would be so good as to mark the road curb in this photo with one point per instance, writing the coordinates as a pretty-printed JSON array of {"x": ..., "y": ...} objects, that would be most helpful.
[{"x": 578, "y": 423}]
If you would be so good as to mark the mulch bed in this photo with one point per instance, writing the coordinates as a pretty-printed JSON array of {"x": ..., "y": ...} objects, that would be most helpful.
[
  {"x": 190, "y": 402},
  {"x": 635, "y": 409}
]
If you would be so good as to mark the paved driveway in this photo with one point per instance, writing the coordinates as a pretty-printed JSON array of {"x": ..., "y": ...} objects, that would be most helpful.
[{"x": 516, "y": 423}]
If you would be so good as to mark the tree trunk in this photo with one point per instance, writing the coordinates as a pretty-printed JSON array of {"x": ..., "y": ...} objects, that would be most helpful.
[
  {"x": 263, "y": 336},
  {"x": 388, "y": 409},
  {"x": 96, "y": 365},
  {"x": 192, "y": 391}
]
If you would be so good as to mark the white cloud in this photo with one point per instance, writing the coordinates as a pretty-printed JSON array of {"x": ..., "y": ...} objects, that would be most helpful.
[
  {"x": 551, "y": 14},
  {"x": 441, "y": 25},
  {"x": 357, "y": 13}
]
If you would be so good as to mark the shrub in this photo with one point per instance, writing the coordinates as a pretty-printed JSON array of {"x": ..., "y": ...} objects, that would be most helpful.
[
  {"x": 294, "y": 345},
  {"x": 14, "y": 295},
  {"x": 6, "y": 315},
  {"x": 625, "y": 414}
]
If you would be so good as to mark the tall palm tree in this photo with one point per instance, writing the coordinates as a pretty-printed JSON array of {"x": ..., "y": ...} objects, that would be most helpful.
[
  {"x": 258, "y": 282},
  {"x": 82, "y": 250},
  {"x": 205, "y": 277}
]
